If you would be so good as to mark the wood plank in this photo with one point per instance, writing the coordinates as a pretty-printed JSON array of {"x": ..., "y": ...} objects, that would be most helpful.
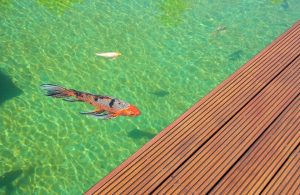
[
  {"x": 210, "y": 162},
  {"x": 265, "y": 157},
  {"x": 287, "y": 180},
  {"x": 155, "y": 162}
]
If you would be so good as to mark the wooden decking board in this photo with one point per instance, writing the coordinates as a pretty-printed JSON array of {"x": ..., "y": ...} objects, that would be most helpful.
[
  {"x": 287, "y": 179},
  {"x": 180, "y": 142},
  {"x": 271, "y": 165},
  {"x": 164, "y": 152},
  {"x": 258, "y": 164},
  {"x": 294, "y": 186},
  {"x": 208, "y": 166}
]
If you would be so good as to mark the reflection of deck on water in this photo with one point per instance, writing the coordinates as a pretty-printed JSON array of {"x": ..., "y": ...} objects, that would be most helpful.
[{"x": 241, "y": 138}]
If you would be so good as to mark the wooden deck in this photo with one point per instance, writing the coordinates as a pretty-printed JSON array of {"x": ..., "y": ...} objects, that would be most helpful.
[{"x": 243, "y": 137}]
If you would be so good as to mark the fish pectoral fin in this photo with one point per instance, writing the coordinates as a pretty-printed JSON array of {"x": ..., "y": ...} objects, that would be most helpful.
[
  {"x": 70, "y": 99},
  {"x": 100, "y": 114},
  {"x": 96, "y": 112},
  {"x": 105, "y": 116}
]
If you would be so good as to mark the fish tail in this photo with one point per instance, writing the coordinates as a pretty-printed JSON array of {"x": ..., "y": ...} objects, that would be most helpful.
[{"x": 57, "y": 91}]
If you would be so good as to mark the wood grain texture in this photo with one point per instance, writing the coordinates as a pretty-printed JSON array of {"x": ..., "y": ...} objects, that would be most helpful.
[
  {"x": 261, "y": 162},
  {"x": 287, "y": 179}
]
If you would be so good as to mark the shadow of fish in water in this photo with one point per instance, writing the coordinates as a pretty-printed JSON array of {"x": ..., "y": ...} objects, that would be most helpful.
[
  {"x": 138, "y": 134},
  {"x": 285, "y": 5},
  {"x": 236, "y": 55},
  {"x": 160, "y": 93}
]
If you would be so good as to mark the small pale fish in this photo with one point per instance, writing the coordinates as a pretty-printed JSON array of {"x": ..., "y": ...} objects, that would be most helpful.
[
  {"x": 109, "y": 54},
  {"x": 219, "y": 30}
]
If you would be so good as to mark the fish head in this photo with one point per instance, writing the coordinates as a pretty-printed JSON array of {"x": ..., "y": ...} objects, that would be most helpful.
[{"x": 132, "y": 111}]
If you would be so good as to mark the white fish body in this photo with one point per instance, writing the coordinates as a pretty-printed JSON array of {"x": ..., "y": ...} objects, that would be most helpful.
[{"x": 109, "y": 54}]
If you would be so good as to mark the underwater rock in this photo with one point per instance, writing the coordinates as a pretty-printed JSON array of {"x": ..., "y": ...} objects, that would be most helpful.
[{"x": 7, "y": 88}]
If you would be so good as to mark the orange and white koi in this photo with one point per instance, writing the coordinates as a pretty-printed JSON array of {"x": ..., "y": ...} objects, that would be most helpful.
[
  {"x": 109, "y": 54},
  {"x": 106, "y": 107}
]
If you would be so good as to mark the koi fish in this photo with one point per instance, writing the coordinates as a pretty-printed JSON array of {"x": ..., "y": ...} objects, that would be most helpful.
[
  {"x": 109, "y": 54},
  {"x": 106, "y": 107}
]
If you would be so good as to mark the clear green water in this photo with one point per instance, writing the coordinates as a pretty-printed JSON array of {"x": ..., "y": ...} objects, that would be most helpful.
[{"x": 173, "y": 54}]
